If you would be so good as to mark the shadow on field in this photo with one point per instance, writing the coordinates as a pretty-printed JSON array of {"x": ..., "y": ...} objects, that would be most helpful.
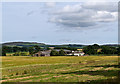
[
  {"x": 107, "y": 66},
  {"x": 107, "y": 73},
  {"x": 108, "y": 81}
]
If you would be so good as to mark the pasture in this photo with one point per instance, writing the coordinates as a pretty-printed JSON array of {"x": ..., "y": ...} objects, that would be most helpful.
[{"x": 88, "y": 69}]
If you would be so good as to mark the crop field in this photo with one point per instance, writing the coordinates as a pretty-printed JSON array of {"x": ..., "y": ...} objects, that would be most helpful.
[{"x": 83, "y": 69}]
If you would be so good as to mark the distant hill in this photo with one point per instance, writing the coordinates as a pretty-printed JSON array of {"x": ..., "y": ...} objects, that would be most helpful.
[
  {"x": 112, "y": 45},
  {"x": 28, "y": 44},
  {"x": 25, "y": 44}
]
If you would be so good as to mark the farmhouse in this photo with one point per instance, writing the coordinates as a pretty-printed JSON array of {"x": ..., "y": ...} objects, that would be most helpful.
[
  {"x": 42, "y": 53},
  {"x": 79, "y": 49},
  {"x": 68, "y": 52},
  {"x": 77, "y": 53}
]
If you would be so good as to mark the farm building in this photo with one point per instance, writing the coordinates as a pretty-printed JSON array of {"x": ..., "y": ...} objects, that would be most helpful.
[
  {"x": 42, "y": 53},
  {"x": 79, "y": 49},
  {"x": 66, "y": 51},
  {"x": 77, "y": 53}
]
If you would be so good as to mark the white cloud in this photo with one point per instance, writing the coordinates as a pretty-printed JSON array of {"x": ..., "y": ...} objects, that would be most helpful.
[
  {"x": 50, "y": 4},
  {"x": 84, "y": 15},
  {"x": 101, "y": 6}
]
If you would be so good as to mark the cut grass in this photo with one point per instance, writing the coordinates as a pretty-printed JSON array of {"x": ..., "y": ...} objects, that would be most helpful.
[
  {"x": 27, "y": 60},
  {"x": 59, "y": 69}
]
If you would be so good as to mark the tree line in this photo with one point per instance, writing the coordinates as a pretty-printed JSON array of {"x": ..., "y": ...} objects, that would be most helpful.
[
  {"x": 104, "y": 50},
  {"x": 32, "y": 50},
  {"x": 90, "y": 50},
  {"x": 58, "y": 53},
  {"x": 19, "y": 50}
]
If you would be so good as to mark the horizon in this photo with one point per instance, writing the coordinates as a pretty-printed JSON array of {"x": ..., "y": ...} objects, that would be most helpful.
[{"x": 62, "y": 44}]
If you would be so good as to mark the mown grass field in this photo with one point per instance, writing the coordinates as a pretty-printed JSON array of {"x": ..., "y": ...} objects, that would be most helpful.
[{"x": 88, "y": 69}]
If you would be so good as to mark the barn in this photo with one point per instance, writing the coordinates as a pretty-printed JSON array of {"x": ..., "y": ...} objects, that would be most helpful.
[{"x": 42, "y": 53}]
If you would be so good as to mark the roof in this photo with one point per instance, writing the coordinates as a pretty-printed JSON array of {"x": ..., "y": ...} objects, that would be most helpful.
[
  {"x": 79, "y": 49},
  {"x": 44, "y": 52}
]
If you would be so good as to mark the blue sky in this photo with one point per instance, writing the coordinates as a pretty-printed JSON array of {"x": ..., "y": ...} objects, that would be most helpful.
[{"x": 60, "y": 23}]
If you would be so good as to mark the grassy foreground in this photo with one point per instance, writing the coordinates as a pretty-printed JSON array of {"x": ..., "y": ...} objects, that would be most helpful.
[{"x": 88, "y": 69}]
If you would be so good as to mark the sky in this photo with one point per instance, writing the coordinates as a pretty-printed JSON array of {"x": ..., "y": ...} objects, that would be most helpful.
[{"x": 60, "y": 22}]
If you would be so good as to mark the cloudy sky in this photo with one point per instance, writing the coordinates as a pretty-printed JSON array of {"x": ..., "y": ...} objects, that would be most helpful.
[{"x": 60, "y": 22}]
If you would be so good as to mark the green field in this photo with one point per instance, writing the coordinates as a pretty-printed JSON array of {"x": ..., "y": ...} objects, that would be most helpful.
[{"x": 89, "y": 69}]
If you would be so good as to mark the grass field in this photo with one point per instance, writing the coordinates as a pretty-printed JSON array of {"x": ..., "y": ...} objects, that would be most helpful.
[{"x": 88, "y": 69}]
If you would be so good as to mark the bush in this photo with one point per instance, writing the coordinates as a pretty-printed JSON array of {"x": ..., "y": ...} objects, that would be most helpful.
[
  {"x": 21, "y": 54},
  {"x": 11, "y": 74},
  {"x": 54, "y": 53},
  {"x": 25, "y": 72},
  {"x": 17, "y": 73},
  {"x": 62, "y": 53}
]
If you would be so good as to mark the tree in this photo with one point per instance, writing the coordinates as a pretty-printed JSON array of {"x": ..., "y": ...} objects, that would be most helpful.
[
  {"x": 54, "y": 53},
  {"x": 96, "y": 46},
  {"x": 118, "y": 51},
  {"x": 90, "y": 50},
  {"x": 24, "y": 49},
  {"x": 16, "y": 49},
  {"x": 4, "y": 51},
  {"x": 62, "y": 52},
  {"x": 31, "y": 50},
  {"x": 108, "y": 50},
  {"x": 20, "y": 54},
  {"x": 36, "y": 48},
  {"x": 17, "y": 54},
  {"x": 0, "y": 49},
  {"x": 47, "y": 48}
]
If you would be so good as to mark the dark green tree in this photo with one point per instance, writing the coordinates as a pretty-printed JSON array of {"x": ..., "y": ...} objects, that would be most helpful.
[
  {"x": 108, "y": 50},
  {"x": 54, "y": 53},
  {"x": 24, "y": 49},
  {"x": 16, "y": 49},
  {"x": 96, "y": 46},
  {"x": 62, "y": 52},
  {"x": 36, "y": 48},
  {"x": 89, "y": 50},
  {"x": 4, "y": 51},
  {"x": 31, "y": 50},
  {"x": 118, "y": 51}
]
